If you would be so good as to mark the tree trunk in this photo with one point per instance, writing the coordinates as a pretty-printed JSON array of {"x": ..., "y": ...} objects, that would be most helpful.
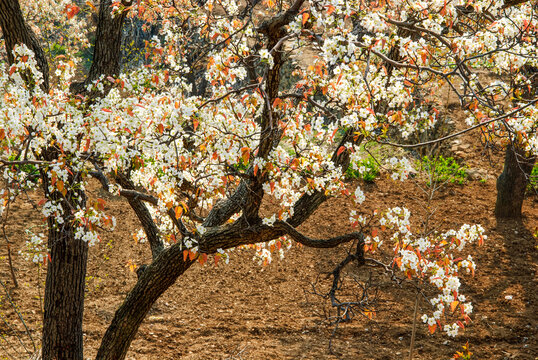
[
  {"x": 17, "y": 32},
  {"x": 153, "y": 282},
  {"x": 66, "y": 274},
  {"x": 512, "y": 183},
  {"x": 64, "y": 295},
  {"x": 107, "y": 48},
  {"x": 66, "y": 270}
]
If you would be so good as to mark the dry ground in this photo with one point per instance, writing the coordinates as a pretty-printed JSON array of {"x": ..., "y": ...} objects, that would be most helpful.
[{"x": 245, "y": 311}]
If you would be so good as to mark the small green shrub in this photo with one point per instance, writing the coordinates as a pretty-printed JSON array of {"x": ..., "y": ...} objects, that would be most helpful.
[
  {"x": 443, "y": 169},
  {"x": 466, "y": 354},
  {"x": 30, "y": 171},
  {"x": 57, "y": 50},
  {"x": 366, "y": 169},
  {"x": 533, "y": 179}
]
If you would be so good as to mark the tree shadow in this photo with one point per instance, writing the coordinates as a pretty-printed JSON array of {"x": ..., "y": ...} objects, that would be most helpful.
[{"x": 519, "y": 294}]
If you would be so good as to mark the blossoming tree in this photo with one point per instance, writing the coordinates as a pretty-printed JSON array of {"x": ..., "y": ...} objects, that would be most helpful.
[{"x": 204, "y": 131}]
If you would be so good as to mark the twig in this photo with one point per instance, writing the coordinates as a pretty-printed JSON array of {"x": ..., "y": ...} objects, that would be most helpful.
[
  {"x": 411, "y": 146},
  {"x": 8, "y": 243},
  {"x": 19, "y": 314},
  {"x": 412, "y": 346}
]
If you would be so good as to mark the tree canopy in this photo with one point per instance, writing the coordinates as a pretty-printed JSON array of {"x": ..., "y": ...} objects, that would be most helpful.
[{"x": 219, "y": 111}]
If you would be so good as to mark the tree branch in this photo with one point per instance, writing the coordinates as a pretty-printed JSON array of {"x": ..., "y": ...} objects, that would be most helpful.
[
  {"x": 135, "y": 199},
  {"x": 320, "y": 244},
  {"x": 499, "y": 118}
]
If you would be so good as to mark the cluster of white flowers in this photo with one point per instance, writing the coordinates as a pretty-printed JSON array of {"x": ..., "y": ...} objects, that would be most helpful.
[
  {"x": 35, "y": 249},
  {"x": 401, "y": 168},
  {"x": 264, "y": 251},
  {"x": 267, "y": 58},
  {"x": 88, "y": 221},
  {"x": 184, "y": 148},
  {"x": 430, "y": 259}
]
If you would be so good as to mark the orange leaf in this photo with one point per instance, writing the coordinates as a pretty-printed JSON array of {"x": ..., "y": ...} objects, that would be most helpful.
[
  {"x": 192, "y": 255},
  {"x": 453, "y": 305},
  {"x": 424, "y": 57},
  {"x": 178, "y": 212},
  {"x": 369, "y": 314},
  {"x": 246, "y": 154},
  {"x": 71, "y": 10},
  {"x": 334, "y": 133},
  {"x": 341, "y": 150},
  {"x": 202, "y": 259},
  {"x": 87, "y": 146},
  {"x": 60, "y": 186},
  {"x": 330, "y": 9},
  {"x": 374, "y": 233},
  {"x": 432, "y": 328},
  {"x": 89, "y": 3},
  {"x": 305, "y": 17},
  {"x": 101, "y": 204},
  {"x": 185, "y": 254},
  {"x": 2, "y": 134}
]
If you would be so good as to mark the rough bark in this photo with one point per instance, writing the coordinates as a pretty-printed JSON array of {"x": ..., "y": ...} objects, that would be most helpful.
[
  {"x": 107, "y": 48},
  {"x": 17, "y": 32},
  {"x": 66, "y": 274},
  {"x": 64, "y": 295},
  {"x": 66, "y": 269},
  {"x": 512, "y": 182},
  {"x": 153, "y": 282},
  {"x": 144, "y": 216}
]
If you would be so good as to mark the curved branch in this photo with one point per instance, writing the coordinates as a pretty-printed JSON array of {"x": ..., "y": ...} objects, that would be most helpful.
[
  {"x": 135, "y": 199},
  {"x": 320, "y": 244},
  {"x": 499, "y": 118}
]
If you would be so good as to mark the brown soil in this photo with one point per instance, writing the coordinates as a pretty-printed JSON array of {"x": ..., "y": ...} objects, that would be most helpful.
[{"x": 246, "y": 311}]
